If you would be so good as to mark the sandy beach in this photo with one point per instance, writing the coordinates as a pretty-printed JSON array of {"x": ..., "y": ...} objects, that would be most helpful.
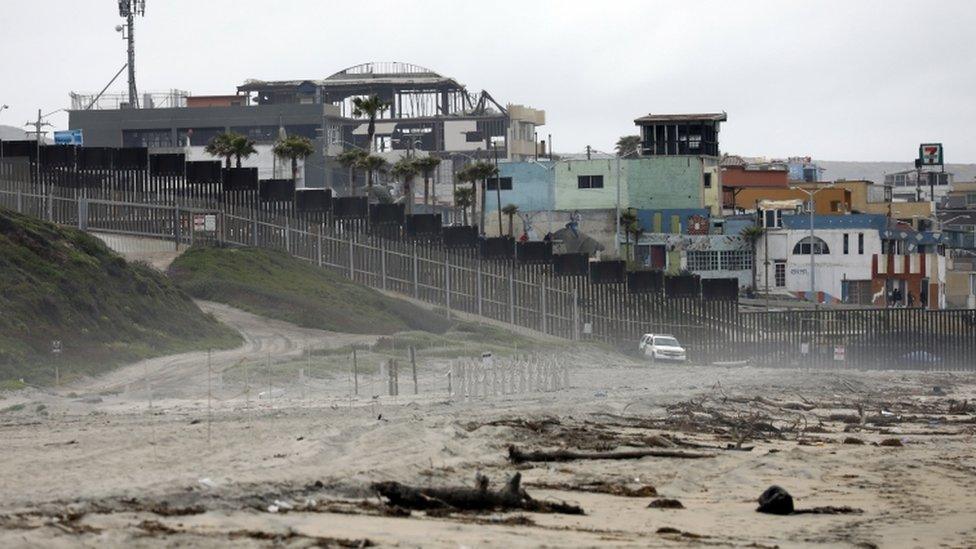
[{"x": 95, "y": 464}]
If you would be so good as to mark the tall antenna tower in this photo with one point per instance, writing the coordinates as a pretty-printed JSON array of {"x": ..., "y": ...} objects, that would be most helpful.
[{"x": 129, "y": 9}]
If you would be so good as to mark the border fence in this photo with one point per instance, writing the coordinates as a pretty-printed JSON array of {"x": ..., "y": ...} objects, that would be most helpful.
[{"x": 130, "y": 192}]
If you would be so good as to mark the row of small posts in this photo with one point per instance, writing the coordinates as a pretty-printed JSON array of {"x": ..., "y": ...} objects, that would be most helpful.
[{"x": 469, "y": 378}]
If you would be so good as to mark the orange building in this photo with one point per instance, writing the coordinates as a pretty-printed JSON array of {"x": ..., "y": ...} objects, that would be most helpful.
[{"x": 826, "y": 201}]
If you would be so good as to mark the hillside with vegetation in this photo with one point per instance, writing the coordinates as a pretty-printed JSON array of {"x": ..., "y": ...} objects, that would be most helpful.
[
  {"x": 62, "y": 284},
  {"x": 275, "y": 285}
]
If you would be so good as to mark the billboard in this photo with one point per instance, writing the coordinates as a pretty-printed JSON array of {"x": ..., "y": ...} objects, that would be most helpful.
[
  {"x": 930, "y": 154},
  {"x": 68, "y": 137}
]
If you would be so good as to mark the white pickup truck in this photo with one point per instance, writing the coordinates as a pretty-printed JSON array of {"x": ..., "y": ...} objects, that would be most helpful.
[{"x": 662, "y": 347}]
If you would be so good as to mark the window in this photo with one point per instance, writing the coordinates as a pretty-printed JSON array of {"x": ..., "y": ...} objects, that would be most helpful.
[
  {"x": 736, "y": 260},
  {"x": 147, "y": 138},
  {"x": 835, "y": 206},
  {"x": 199, "y": 137},
  {"x": 590, "y": 181},
  {"x": 971, "y": 199},
  {"x": 847, "y": 243},
  {"x": 860, "y": 243},
  {"x": 808, "y": 246},
  {"x": 708, "y": 181},
  {"x": 260, "y": 134},
  {"x": 780, "y": 272},
  {"x": 972, "y": 284},
  {"x": 703, "y": 261},
  {"x": 506, "y": 183},
  {"x": 772, "y": 218}
]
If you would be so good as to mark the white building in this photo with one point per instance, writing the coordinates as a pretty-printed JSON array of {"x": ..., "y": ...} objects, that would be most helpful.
[
  {"x": 843, "y": 247},
  {"x": 857, "y": 258}
]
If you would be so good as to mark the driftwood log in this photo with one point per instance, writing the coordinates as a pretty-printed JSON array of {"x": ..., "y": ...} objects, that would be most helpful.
[
  {"x": 520, "y": 456},
  {"x": 463, "y": 498}
]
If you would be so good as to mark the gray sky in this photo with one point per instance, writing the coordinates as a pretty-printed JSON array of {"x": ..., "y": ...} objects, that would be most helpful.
[{"x": 836, "y": 80}]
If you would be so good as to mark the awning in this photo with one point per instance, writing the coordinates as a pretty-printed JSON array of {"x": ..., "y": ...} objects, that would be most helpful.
[{"x": 791, "y": 204}]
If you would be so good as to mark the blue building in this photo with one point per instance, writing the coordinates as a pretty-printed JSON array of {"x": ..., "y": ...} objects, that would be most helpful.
[{"x": 528, "y": 185}]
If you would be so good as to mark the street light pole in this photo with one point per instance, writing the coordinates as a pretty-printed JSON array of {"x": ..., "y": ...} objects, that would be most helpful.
[{"x": 813, "y": 274}]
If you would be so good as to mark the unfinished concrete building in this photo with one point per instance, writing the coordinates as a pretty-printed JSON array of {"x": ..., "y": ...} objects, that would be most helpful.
[{"x": 427, "y": 111}]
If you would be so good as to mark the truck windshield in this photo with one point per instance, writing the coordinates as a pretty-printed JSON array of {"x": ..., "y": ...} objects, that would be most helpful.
[{"x": 666, "y": 342}]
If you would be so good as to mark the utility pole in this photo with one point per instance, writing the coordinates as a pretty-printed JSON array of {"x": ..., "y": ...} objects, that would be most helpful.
[
  {"x": 38, "y": 132},
  {"x": 129, "y": 9},
  {"x": 498, "y": 190}
]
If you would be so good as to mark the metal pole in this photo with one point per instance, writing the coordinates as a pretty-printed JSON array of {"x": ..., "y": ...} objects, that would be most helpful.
[
  {"x": 542, "y": 287},
  {"x": 447, "y": 284},
  {"x": 498, "y": 190},
  {"x": 416, "y": 283},
  {"x": 478, "y": 285},
  {"x": 131, "y": 24},
  {"x": 813, "y": 275},
  {"x": 319, "y": 251},
  {"x": 616, "y": 238},
  {"x": 177, "y": 232},
  {"x": 511, "y": 294},
  {"x": 352, "y": 266},
  {"x": 383, "y": 262},
  {"x": 576, "y": 331}
]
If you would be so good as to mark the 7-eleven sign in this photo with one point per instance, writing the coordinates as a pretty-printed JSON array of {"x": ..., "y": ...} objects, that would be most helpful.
[{"x": 930, "y": 154}]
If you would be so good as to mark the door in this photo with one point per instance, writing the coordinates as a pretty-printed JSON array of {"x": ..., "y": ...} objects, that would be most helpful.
[{"x": 658, "y": 257}]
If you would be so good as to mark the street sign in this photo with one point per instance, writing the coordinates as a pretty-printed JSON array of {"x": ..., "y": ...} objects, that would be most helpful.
[
  {"x": 930, "y": 154},
  {"x": 56, "y": 346},
  {"x": 840, "y": 353},
  {"x": 68, "y": 137},
  {"x": 204, "y": 223}
]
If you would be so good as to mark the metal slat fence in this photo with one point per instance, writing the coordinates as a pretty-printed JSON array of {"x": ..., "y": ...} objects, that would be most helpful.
[{"x": 529, "y": 296}]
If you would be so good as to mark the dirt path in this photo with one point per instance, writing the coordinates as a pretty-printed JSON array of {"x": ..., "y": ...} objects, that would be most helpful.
[{"x": 185, "y": 375}]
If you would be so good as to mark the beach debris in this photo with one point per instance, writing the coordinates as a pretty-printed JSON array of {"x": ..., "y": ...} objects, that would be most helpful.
[
  {"x": 665, "y": 503},
  {"x": 853, "y": 440},
  {"x": 938, "y": 391},
  {"x": 601, "y": 487},
  {"x": 892, "y": 442},
  {"x": 515, "y": 455},
  {"x": 465, "y": 498},
  {"x": 207, "y": 482},
  {"x": 775, "y": 501}
]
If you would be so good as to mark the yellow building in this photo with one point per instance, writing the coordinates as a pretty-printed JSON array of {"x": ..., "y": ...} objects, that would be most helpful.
[{"x": 869, "y": 198}]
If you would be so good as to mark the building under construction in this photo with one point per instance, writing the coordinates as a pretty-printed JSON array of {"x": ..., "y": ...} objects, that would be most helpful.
[{"x": 428, "y": 113}]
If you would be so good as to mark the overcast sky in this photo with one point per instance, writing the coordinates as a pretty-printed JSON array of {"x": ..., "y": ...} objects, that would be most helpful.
[{"x": 839, "y": 80}]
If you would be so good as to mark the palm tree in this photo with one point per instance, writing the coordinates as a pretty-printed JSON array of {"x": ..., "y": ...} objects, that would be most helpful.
[
  {"x": 510, "y": 210},
  {"x": 372, "y": 107},
  {"x": 466, "y": 175},
  {"x": 407, "y": 169},
  {"x": 293, "y": 148},
  {"x": 241, "y": 147},
  {"x": 628, "y": 146},
  {"x": 463, "y": 199},
  {"x": 482, "y": 171},
  {"x": 220, "y": 146},
  {"x": 752, "y": 234},
  {"x": 350, "y": 159},
  {"x": 629, "y": 224},
  {"x": 427, "y": 165},
  {"x": 372, "y": 164}
]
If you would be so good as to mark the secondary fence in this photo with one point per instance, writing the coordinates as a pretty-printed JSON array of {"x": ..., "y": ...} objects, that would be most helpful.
[
  {"x": 577, "y": 305},
  {"x": 469, "y": 378}
]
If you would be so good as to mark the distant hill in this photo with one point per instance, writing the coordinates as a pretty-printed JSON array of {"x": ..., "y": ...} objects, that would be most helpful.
[
  {"x": 62, "y": 284},
  {"x": 875, "y": 171},
  {"x": 13, "y": 133}
]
